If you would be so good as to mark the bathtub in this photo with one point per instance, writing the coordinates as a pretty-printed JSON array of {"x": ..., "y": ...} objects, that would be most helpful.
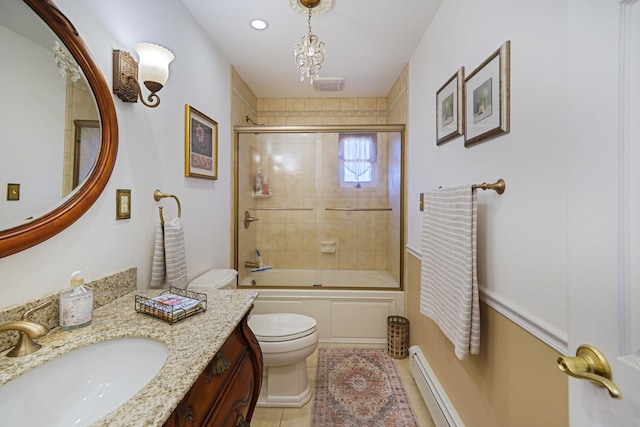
[
  {"x": 322, "y": 278},
  {"x": 345, "y": 316}
]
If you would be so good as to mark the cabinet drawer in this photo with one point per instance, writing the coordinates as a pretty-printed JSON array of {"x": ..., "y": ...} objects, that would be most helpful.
[
  {"x": 236, "y": 399},
  {"x": 224, "y": 362},
  {"x": 205, "y": 391}
]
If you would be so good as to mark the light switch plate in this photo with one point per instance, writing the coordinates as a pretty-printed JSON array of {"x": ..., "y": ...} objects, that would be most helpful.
[
  {"x": 13, "y": 191},
  {"x": 123, "y": 204}
]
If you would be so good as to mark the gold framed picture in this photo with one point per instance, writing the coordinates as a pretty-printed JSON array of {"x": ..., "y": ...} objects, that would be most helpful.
[
  {"x": 201, "y": 145},
  {"x": 123, "y": 204},
  {"x": 487, "y": 92},
  {"x": 450, "y": 108}
]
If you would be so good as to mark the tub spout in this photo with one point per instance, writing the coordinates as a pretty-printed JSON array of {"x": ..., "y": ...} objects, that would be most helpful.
[{"x": 251, "y": 264}]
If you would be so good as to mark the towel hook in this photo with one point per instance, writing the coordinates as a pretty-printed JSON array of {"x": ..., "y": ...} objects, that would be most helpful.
[{"x": 158, "y": 195}]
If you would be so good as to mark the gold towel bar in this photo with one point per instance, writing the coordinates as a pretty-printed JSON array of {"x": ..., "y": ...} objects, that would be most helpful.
[
  {"x": 157, "y": 195},
  {"x": 280, "y": 209},
  {"x": 499, "y": 186},
  {"x": 358, "y": 209}
]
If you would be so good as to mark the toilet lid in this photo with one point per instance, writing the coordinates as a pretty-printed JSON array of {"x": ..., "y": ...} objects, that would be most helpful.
[{"x": 281, "y": 326}]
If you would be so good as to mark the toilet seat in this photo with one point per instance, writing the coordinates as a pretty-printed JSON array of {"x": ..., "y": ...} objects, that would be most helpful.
[{"x": 278, "y": 327}]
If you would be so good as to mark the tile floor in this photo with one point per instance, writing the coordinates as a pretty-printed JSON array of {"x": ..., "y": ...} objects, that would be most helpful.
[{"x": 301, "y": 417}]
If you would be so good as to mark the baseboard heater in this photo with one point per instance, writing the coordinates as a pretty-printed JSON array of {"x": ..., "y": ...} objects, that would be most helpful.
[{"x": 439, "y": 405}]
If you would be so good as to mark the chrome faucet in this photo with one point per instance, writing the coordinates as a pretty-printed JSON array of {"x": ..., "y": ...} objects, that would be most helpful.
[
  {"x": 28, "y": 331},
  {"x": 251, "y": 264}
]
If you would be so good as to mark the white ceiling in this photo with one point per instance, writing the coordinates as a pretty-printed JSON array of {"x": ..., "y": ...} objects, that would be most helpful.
[{"x": 368, "y": 42}]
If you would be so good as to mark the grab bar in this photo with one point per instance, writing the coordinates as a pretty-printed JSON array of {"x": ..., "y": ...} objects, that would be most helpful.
[
  {"x": 358, "y": 209},
  {"x": 280, "y": 209},
  {"x": 157, "y": 195}
]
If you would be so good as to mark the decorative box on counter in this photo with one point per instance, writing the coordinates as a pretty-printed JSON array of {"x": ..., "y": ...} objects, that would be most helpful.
[{"x": 172, "y": 305}]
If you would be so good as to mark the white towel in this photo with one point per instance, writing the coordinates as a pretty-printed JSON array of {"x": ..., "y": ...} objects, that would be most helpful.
[
  {"x": 449, "y": 284},
  {"x": 169, "y": 258}
]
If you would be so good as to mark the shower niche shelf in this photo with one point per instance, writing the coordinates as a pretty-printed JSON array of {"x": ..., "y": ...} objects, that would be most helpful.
[{"x": 260, "y": 195}]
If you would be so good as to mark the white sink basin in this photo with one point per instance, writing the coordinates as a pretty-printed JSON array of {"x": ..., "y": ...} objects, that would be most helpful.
[{"x": 81, "y": 386}]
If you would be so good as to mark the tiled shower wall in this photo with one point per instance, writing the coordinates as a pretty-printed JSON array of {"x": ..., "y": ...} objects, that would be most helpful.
[
  {"x": 397, "y": 112},
  {"x": 322, "y": 111}
]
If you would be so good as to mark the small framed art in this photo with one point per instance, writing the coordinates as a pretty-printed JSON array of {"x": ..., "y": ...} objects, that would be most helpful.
[
  {"x": 201, "y": 145},
  {"x": 450, "y": 108},
  {"x": 487, "y": 92},
  {"x": 123, "y": 204}
]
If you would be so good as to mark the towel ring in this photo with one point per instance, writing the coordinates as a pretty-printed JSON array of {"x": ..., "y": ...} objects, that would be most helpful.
[{"x": 158, "y": 195}]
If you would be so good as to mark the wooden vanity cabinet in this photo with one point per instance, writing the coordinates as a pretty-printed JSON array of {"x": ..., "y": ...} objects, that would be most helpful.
[{"x": 226, "y": 392}]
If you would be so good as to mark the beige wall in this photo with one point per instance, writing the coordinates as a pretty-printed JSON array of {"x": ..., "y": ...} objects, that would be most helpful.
[
  {"x": 514, "y": 381},
  {"x": 243, "y": 104}
]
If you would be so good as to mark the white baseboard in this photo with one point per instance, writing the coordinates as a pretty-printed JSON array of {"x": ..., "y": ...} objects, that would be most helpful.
[{"x": 442, "y": 411}]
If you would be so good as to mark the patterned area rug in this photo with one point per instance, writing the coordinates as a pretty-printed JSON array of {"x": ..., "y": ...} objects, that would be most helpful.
[{"x": 359, "y": 388}]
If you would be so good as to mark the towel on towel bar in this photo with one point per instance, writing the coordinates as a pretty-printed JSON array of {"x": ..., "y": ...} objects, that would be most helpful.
[
  {"x": 449, "y": 285},
  {"x": 169, "y": 266}
]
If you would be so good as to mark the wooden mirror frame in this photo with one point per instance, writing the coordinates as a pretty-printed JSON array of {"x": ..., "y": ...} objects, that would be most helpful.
[{"x": 27, "y": 235}]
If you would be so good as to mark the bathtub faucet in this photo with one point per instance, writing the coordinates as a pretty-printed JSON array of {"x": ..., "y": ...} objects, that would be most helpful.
[{"x": 251, "y": 264}]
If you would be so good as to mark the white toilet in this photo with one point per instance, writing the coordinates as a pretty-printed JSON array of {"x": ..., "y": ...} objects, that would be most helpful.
[{"x": 286, "y": 340}]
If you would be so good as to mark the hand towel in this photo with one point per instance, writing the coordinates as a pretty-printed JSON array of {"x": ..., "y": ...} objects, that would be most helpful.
[
  {"x": 449, "y": 285},
  {"x": 169, "y": 266},
  {"x": 174, "y": 252},
  {"x": 158, "y": 270}
]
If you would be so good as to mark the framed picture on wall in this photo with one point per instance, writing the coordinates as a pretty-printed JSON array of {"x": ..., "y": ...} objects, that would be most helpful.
[
  {"x": 201, "y": 145},
  {"x": 450, "y": 108},
  {"x": 487, "y": 93}
]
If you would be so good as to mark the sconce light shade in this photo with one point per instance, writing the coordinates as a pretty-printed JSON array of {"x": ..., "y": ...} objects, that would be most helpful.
[
  {"x": 154, "y": 63},
  {"x": 154, "y": 72}
]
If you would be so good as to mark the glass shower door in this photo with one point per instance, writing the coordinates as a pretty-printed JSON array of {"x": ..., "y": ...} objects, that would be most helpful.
[{"x": 307, "y": 222}]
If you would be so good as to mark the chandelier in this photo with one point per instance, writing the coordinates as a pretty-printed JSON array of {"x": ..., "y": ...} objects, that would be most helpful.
[
  {"x": 66, "y": 63},
  {"x": 309, "y": 52}
]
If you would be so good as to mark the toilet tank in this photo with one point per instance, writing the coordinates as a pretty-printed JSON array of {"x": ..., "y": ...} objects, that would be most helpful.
[{"x": 215, "y": 279}]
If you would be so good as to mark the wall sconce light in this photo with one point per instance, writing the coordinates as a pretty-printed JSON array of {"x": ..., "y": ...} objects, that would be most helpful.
[{"x": 154, "y": 72}]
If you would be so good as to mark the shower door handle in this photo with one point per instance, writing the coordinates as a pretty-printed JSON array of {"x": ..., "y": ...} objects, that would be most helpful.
[{"x": 248, "y": 219}]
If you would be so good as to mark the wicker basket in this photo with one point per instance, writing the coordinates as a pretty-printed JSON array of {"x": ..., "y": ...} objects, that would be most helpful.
[{"x": 397, "y": 337}]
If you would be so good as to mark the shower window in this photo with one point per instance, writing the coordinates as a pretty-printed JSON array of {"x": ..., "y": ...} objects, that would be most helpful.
[
  {"x": 308, "y": 226},
  {"x": 358, "y": 155}
]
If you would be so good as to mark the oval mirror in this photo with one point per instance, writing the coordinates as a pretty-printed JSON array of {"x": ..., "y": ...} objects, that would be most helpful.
[{"x": 60, "y": 184}]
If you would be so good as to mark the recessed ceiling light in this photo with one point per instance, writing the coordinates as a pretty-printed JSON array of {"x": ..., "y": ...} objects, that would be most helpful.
[{"x": 259, "y": 24}]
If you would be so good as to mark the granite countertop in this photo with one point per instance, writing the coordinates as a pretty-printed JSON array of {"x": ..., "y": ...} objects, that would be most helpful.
[{"x": 192, "y": 343}]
